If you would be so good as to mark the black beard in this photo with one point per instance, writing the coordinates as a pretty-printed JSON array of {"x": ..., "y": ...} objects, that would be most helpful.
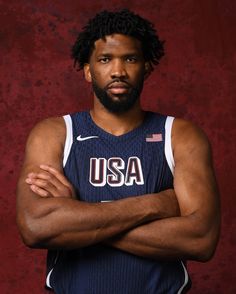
[{"x": 122, "y": 105}]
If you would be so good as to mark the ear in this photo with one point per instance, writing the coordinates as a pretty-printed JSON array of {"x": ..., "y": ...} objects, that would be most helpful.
[
  {"x": 147, "y": 69},
  {"x": 87, "y": 73}
]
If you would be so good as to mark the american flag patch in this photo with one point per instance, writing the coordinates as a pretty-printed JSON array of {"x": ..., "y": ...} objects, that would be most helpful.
[{"x": 154, "y": 138}]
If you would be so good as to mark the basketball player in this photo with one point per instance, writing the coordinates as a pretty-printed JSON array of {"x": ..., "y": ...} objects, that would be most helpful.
[{"x": 121, "y": 197}]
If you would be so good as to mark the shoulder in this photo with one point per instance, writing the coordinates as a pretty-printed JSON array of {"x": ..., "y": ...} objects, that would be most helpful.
[
  {"x": 50, "y": 123},
  {"x": 51, "y": 128},
  {"x": 188, "y": 139},
  {"x": 47, "y": 136}
]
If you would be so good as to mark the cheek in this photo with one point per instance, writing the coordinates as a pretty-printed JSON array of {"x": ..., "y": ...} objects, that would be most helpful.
[
  {"x": 101, "y": 76},
  {"x": 96, "y": 73},
  {"x": 137, "y": 76}
]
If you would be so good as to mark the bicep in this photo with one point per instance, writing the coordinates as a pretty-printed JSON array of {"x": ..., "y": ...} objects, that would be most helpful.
[
  {"x": 44, "y": 146},
  {"x": 194, "y": 179}
]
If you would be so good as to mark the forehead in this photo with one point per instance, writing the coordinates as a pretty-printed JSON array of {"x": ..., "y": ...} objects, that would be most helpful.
[{"x": 117, "y": 43}]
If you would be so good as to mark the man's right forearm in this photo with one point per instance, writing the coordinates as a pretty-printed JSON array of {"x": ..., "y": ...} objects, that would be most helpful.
[{"x": 67, "y": 223}]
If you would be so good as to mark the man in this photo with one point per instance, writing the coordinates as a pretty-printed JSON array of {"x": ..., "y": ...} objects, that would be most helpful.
[{"x": 120, "y": 197}]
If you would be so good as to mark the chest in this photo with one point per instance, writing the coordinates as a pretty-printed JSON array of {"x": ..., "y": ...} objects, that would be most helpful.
[{"x": 103, "y": 170}]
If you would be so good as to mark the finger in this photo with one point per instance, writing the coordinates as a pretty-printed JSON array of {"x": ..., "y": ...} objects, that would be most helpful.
[
  {"x": 44, "y": 180},
  {"x": 53, "y": 186},
  {"x": 39, "y": 191},
  {"x": 41, "y": 175},
  {"x": 56, "y": 173},
  {"x": 31, "y": 175},
  {"x": 43, "y": 184}
]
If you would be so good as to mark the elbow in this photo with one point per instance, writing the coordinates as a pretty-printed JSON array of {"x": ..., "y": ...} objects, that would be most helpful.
[
  {"x": 206, "y": 247},
  {"x": 29, "y": 240},
  {"x": 205, "y": 253},
  {"x": 204, "y": 238},
  {"x": 29, "y": 233}
]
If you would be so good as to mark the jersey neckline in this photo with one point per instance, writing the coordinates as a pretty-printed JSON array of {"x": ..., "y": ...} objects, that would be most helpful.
[{"x": 102, "y": 133}]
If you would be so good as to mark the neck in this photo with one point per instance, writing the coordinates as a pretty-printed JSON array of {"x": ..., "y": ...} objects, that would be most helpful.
[{"x": 117, "y": 124}]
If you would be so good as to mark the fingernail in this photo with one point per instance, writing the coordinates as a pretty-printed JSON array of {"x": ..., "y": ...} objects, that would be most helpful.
[
  {"x": 32, "y": 187},
  {"x": 43, "y": 166}
]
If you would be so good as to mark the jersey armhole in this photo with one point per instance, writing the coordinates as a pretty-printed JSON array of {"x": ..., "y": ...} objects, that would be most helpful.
[
  {"x": 69, "y": 138},
  {"x": 168, "y": 147}
]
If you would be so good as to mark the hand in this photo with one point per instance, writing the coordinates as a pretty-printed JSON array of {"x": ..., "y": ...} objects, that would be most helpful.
[{"x": 50, "y": 183}]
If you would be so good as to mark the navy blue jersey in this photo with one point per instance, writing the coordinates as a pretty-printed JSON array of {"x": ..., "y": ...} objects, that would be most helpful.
[{"x": 104, "y": 167}]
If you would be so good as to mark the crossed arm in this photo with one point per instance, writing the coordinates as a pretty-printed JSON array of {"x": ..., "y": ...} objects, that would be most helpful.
[{"x": 172, "y": 224}]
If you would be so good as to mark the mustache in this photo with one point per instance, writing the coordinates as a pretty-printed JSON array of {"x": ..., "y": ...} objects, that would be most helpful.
[{"x": 118, "y": 80}]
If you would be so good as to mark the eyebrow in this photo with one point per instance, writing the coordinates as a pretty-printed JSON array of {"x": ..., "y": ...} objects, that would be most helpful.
[{"x": 124, "y": 55}]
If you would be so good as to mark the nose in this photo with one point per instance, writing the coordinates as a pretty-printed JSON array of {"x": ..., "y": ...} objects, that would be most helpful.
[{"x": 118, "y": 69}]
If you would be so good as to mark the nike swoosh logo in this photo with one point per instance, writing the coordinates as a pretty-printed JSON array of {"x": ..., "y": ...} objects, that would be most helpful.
[{"x": 79, "y": 138}]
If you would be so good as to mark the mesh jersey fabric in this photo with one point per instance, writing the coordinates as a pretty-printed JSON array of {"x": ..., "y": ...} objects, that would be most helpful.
[{"x": 104, "y": 167}]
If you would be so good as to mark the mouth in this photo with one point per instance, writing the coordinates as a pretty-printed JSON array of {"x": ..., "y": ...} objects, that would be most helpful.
[{"x": 116, "y": 88}]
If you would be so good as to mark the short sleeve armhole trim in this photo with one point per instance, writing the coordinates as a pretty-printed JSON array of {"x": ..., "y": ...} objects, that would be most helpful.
[
  {"x": 69, "y": 138},
  {"x": 168, "y": 146}
]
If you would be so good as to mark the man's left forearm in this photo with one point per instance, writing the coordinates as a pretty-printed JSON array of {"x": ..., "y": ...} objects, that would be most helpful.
[{"x": 181, "y": 237}]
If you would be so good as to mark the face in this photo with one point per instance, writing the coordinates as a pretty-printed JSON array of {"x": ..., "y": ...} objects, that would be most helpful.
[{"x": 117, "y": 71}]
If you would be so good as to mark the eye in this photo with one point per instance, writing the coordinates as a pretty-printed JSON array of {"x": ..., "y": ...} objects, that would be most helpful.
[
  {"x": 104, "y": 60},
  {"x": 131, "y": 59}
]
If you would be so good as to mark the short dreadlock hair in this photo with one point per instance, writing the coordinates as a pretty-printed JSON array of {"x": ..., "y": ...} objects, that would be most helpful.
[{"x": 123, "y": 22}]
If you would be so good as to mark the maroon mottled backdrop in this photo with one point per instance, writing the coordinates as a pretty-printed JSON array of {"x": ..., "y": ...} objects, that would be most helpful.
[{"x": 196, "y": 80}]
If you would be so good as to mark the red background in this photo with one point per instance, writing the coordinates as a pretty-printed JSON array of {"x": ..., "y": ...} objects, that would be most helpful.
[{"x": 195, "y": 80}]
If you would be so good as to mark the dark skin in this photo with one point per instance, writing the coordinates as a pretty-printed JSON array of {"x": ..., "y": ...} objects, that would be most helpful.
[{"x": 180, "y": 223}]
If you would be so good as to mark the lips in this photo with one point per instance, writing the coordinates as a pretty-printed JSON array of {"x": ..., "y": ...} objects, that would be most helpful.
[{"x": 118, "y": 88}]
